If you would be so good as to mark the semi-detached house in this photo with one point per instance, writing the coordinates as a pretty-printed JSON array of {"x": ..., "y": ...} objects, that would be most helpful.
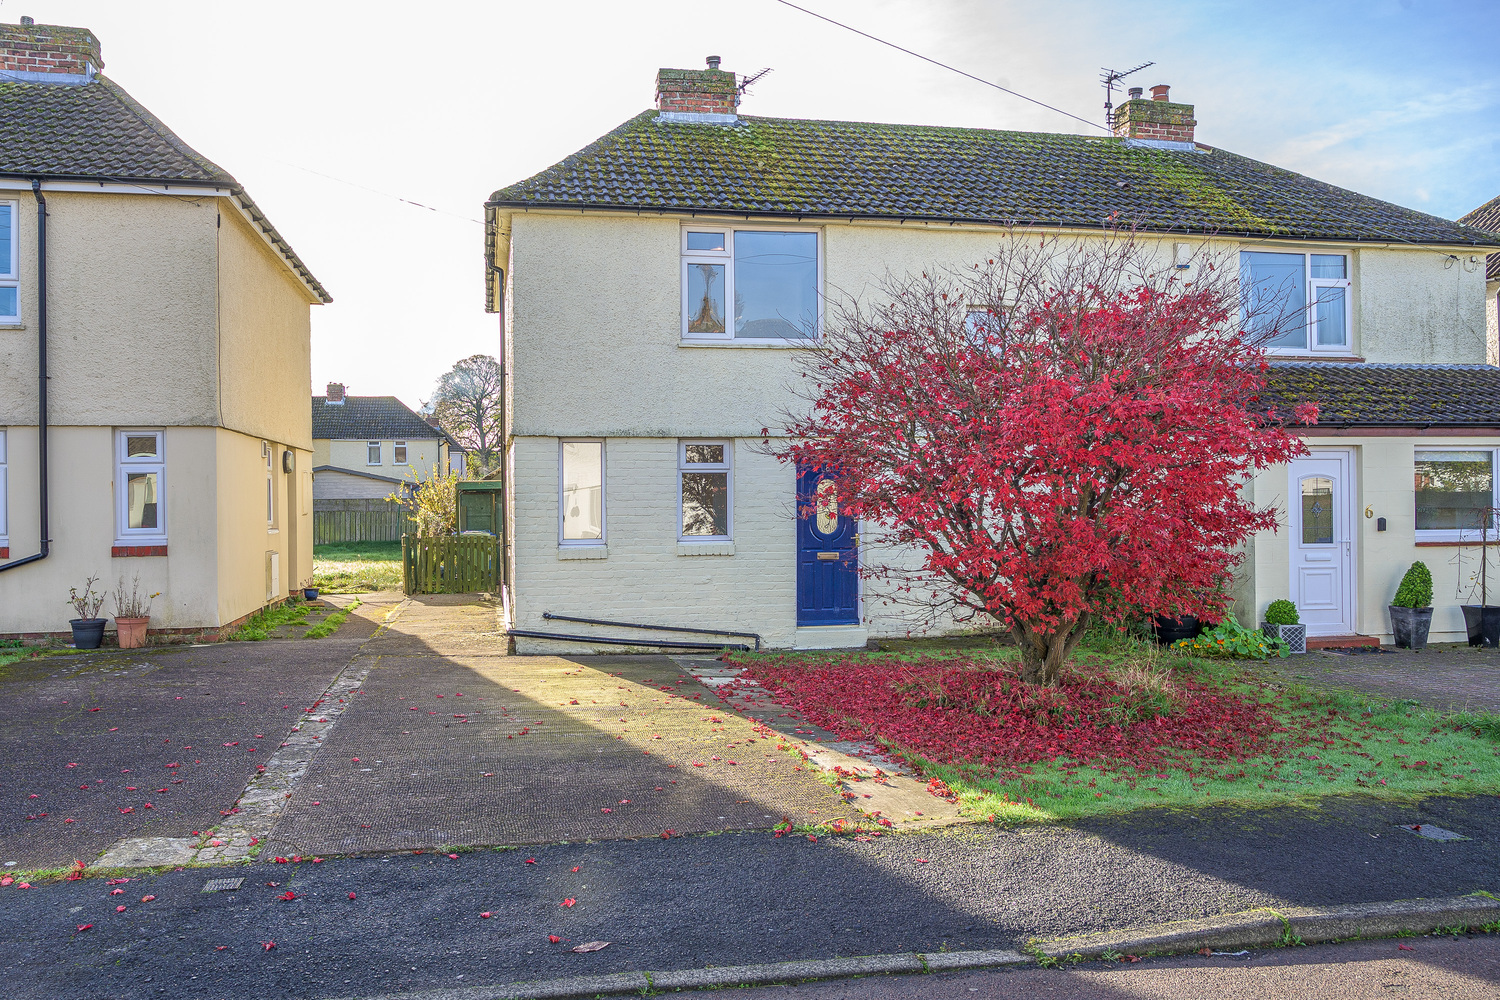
[
  {"x": 167, "y": 322},
  {"x": 656, "y": 285}
]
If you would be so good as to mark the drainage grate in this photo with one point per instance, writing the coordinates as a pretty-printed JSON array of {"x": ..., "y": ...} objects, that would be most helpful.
[
  {"x": 1432, "y": 832},
  {"x": 222, "y": 884}
]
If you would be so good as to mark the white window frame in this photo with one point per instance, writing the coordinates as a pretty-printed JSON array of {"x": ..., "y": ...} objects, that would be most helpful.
[
  {"x": 4, "y": 491},
  {"x": 268, "y": 452},
  {"x": 124, "y": 465},
  {"x": 726, "y": 258},
  {"x": 1465, "y": 535},
  {"x": 727, "y": 467},
  {"x": 12, "y": 278},
  {"x": 1310, "y": 307},
  {"x": 398, "y": 453},
  {"x": 603, "y": 538},
  {"x": 379, "y": 447}
]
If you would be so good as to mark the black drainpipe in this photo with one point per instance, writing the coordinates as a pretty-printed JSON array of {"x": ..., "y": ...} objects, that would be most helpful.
[{"x": 41, "y": 376}]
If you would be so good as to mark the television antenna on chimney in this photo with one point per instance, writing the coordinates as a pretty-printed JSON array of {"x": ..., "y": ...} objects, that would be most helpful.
[
  {"x": 746, "y": 81},
  {"x": 1109, "y": 78}
]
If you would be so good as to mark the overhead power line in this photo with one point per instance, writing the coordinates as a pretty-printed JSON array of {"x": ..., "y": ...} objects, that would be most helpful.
[{"x": 935, "y": 62}]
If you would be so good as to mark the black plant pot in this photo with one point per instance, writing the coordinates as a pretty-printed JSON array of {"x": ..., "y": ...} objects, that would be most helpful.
[
  {"x": 89, "y": 632},
  {"x": 1483, "y": 624},
  {"x": 1410, "y": 626},
  {"x": 1170, "y": 630}
]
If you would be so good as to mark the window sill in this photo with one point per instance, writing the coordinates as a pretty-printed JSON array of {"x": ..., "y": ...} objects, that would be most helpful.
[
  {"x": 583, "y": 552},
  {"x": 12, "y": 326},
  {"x": 761, "y": 345},
  {"x": 722, "y": 548},
  {"x": 273, "y": 531},
  {"x": 1272, "y": 355},
  {"x": 127, "y": 551}
]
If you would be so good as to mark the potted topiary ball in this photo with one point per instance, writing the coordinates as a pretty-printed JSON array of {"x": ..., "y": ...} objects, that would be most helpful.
[
  {"x": 1411, "y": 608},
  {"x": 1282, "y": 623}
]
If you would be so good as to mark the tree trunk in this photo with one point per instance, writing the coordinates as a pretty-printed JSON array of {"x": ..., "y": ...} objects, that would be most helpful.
[{"x": 1044, "y": 653}]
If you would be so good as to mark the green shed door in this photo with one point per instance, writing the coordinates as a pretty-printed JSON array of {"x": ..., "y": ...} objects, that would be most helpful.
[{"x": 476, "y": 512}]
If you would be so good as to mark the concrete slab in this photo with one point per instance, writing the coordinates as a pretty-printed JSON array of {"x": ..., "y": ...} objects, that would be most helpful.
[{"x": 149, "y": 852}]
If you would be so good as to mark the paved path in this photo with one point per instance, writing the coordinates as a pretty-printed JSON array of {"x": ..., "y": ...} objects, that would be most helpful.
[
  {"x": 1432, "y": 969},
  {"x": 450, "y": 741},
  {"x": 1446, "y": 678}
]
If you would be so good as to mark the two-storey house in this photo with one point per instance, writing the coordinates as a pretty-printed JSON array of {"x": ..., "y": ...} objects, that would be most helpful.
[
  {"x": 713, "y": 241},
  {"x": 154, "y": 359},
  {"x": 368, "y": 447}
]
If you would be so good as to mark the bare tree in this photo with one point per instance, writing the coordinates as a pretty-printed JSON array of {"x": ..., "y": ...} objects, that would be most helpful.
[{"x": 467, "y": 404}]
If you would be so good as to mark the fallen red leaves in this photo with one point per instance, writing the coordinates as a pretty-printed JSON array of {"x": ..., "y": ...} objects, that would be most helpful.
[{"x": 963, "y": 711}]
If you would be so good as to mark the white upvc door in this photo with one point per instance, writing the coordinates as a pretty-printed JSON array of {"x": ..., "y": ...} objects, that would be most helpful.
[{"x": 1321, "y": 515}]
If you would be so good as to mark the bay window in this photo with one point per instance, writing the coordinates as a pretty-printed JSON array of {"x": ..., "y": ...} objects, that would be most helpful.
[
  {"x": 1296, "y": 303},
  {"x": 749, "y": 285}
]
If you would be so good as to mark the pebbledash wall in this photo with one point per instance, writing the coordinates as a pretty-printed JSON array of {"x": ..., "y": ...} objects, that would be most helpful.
[
  {"x": 165, "y": 313},
  {"x": 609, "y": 364}
]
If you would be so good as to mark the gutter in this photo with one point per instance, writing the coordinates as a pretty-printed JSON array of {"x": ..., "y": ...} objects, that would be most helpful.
[{"x": 45, "y": 546}]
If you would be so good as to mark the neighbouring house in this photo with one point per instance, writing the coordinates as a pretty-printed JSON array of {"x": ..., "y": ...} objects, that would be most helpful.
[
  {"x": 154, "y": 358},
  {"x": 1487, "y": 218},
  {"x": 365, "y": 449},
  {"x": 713, "y": 241}
]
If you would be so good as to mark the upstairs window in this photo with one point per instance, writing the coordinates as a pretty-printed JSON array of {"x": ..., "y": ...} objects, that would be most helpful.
[
  {"x": 398, "y": 453},
  {"x": 140, "y": 487},
  {"x": 372, "y": 453},
  {"x": 750, "y": 285},
  {"x": 1296, "y": 303},
  {"x": 10, "y": 285}
]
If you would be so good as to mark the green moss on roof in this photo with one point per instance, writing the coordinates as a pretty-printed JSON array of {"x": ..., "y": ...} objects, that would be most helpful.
[{"x": 805, "y": 168}]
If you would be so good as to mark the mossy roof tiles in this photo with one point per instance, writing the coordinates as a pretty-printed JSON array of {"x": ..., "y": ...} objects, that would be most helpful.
[
  {"x": 98, "y": 132},
  {"x": 1388, "y": 395},
  {"x": 1487, "y": 218},
  {"x": 370, "y": 418},
  {"x": 794, "y": 167}
]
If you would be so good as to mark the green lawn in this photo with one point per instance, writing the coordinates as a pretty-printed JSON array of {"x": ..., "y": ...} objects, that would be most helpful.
[
  {"x": 1360, "y": 744},
  {"x": 357, "y": 567}
]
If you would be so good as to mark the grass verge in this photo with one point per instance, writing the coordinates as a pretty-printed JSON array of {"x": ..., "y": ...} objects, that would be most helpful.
[
  {"x": 331, "y": 624},
  {"x": 1336, "y": 742},
  {"x": 357, "y": 567},
  {"x": 264, "y": 622}
]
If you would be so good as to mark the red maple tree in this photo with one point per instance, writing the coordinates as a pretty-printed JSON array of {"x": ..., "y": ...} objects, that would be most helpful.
[{"x": 1062, "y": 433}]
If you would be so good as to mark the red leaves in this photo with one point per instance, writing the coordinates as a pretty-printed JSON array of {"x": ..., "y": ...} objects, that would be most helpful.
[
  {"x": 485, "y": 915},
  {"x": 147, "y": 899},
  {"x": 289, "y": 895},
  {"x": 574, "y": 869},
  {"x": 531, "y": 861},
  {"x": 268, "y": 945},
  {"x": 553, "y": 938},
  {"x": 1399, "y": 947},
  {"x": 568, "y": 903},
  {"x": 668, "y": 834},
  {"x": 77, "y": 872},
  {"x": 84, "y": 927},
  {"x": 119, "y": 909},
  {"x": 351, "y": 895},
  {"x": 281, "y": 861}
]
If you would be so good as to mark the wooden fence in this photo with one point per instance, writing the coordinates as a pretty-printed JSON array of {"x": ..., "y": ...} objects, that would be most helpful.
[
  {"x": 458, "y": 564},
  {"x": 359, "y": 521}
]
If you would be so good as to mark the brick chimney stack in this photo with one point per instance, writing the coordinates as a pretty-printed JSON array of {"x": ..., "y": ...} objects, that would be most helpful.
[
  {"x": 711, "y": 91},
  {"x": 48, "y": 53},
  {"x": 335, "y": 394},
  {"x": 1157, "y": 120}
]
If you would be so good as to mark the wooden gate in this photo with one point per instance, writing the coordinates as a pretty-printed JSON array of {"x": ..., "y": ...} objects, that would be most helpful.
[{"x": 455, "y": 564}]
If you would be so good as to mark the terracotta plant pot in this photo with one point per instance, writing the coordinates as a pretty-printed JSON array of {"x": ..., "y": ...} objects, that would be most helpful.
[{"x": 131, "y": 632}]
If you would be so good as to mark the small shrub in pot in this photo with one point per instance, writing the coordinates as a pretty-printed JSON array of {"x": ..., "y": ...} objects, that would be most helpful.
[
  {"x": 88, "y": 627},
  {"x": 1282, "y": 622},
  {"x": 1411, "y": 608}
]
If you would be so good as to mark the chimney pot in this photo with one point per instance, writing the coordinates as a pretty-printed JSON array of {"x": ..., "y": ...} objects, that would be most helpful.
[
  {"x": 1159, "y": 92},
  {"x": 1135, "y": 93},
  {"x": 336, "y": 393},
  {"x": 713, "y": 62},
  {"x": 1156, "y": 120}
]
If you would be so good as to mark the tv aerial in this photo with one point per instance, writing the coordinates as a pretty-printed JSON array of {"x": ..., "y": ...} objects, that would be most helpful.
[
  {"x": 1110, "y": 77},
  {"x": 746, "y": 81}
]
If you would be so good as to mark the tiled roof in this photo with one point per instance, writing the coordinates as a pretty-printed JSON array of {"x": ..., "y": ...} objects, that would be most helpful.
[
  {"x": 792, "y": 167},
  {"x": 98, "y": 132},
  {"x": 1381, "y": 395},
  {"x": 1487, "y": 217},
  {"x": 369, "y": 418}
]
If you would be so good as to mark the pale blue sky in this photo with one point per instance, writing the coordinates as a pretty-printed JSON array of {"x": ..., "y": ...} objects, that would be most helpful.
[{"x": 311, "y": 103}]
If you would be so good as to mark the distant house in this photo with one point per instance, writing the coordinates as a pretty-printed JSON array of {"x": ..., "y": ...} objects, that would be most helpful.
[
  {"x": 1487, "y": 218},
  {"x": 167, "y": 323},
  {"x": 366, "y": 448}
]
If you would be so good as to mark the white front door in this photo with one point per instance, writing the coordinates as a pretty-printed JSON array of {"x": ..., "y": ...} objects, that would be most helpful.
[{"x": 1321, "y": 508}]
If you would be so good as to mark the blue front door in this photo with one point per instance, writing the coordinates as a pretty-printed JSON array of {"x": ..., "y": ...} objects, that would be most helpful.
[{"x": 827, "y": 553}]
